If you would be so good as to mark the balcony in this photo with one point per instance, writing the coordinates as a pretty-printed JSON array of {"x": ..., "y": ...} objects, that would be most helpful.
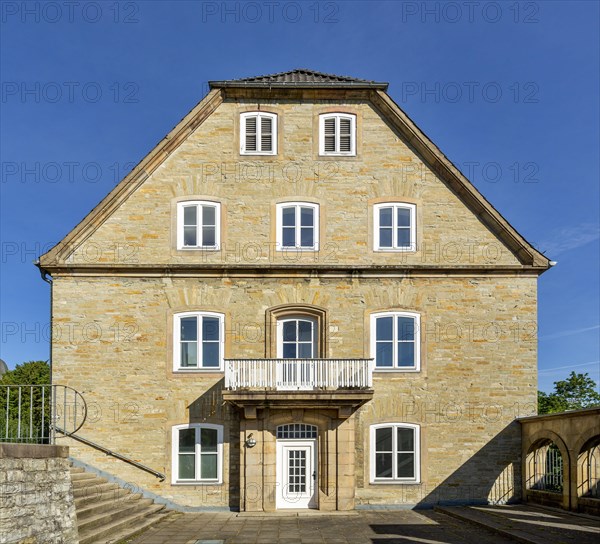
[{"x": 339, "y": 384}]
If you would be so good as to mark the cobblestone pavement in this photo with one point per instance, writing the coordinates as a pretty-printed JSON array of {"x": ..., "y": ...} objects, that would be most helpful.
[{"x": 363, "y": 527}]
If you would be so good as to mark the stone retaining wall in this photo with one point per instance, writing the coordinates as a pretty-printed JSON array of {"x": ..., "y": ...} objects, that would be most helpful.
[{"x": 36, "y": 495}]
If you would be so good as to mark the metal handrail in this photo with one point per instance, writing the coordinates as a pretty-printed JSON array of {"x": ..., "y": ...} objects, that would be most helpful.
[
  {"x": 119, "y": 456},
  {"x": 52, "y": 404}
]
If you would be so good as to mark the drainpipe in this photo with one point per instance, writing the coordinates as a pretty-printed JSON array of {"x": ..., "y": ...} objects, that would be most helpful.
[{"x": 45, "y": 275}]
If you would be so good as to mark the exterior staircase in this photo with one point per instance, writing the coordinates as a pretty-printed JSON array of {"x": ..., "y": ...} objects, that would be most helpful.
[{"x": 107, "y": 513}]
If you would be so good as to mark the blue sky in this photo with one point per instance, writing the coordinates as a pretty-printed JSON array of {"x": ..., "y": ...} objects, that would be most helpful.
[{"x": 508, "y": 90}]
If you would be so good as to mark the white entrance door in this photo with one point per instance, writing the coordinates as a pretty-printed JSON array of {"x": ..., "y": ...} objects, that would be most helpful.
[{"x": 296, "y": 474}]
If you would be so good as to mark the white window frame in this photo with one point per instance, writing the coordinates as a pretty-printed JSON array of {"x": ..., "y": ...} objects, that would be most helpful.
[
  {"x": 260, "y": 115},
  {"x": 413, "y": 227},
  {"x": 314, "y": 332},
  {"x": 417, "y": 341},
  {"x": 175, "y": 454},
  {"x": 177, "y": 342},
  {"x": 417, "y": 453},
  {"x": 337, "y": 117},
  {"x": 199, "y": 213},
  {"x": 279, "y": 225}
]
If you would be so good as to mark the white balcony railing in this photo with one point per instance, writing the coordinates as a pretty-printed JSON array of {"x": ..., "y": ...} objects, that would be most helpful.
[{"x": 298, "y": 374}]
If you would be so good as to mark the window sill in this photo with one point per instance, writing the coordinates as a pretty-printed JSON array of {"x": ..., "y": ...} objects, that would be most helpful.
[
  {"x": 199, "y": 248},
  {"x": 395, "y": 249},
  {"x": 215, "y": 370},
  {"x": 297, "y": 249},
  {"x": 395, "y": 482},
  {"x": 257, "y": 154},
  {"x": 402, "y": 370},
  {"x": 199, "y": 483},
  {"x": 338, "y": 155}
]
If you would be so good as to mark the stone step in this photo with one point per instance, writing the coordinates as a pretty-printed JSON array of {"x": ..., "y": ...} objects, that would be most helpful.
[
  {"x": 101, "y": 490},
  {"x": 98, "y": 507},
  {"x": 80, "y": 476},
  {"x": 112, "y": 494},
  {"x": 77, "y": 470},
  {"x": 120, "y": 509},
  {"x": 121, "y": 528},
  {"x": 88, "y": 482}
]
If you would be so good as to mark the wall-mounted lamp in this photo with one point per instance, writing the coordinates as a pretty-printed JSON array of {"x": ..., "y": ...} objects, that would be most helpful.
[{"x": 250, "y": 441}]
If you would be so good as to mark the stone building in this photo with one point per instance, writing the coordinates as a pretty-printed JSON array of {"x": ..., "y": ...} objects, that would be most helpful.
[{"x": 295, "y": 300}]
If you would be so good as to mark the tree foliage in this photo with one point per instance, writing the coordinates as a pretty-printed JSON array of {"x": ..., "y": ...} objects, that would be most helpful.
[
  {"x": 576, "y": 392},
  {"x": 30, "y": 373}
]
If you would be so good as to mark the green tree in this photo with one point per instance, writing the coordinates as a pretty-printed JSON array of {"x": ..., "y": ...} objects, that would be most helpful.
[
  {"x": 28, "y": 417},
  {"x": 576, "y": 392}
]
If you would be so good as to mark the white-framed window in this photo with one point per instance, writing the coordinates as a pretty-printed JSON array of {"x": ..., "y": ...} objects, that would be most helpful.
[
  {"x": 197, "y": 454},
  {"x": 395, "y": 227},
  {"x": 337, "y": 134},
  {"x": 297, "y": 226},
  {"x": 395, "y": 341},
  {"x": 395, "y": 453},
  {"x": 198, "y": 339},
  {"x": 198, "y": 225},
  {"x": 297, "y": 337},
  {"x": 258, "y": 133}
]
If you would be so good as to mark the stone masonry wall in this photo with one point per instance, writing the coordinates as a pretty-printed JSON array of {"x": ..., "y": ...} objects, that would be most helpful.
[
  {"x": 113, "y": 343},
  {"x": 36, "y": 496}
]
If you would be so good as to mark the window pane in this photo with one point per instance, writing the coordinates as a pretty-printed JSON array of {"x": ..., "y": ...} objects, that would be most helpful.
[
  {"x": 208, "y": 236},
  {"x": 403, "y": 237},
  {"x": 209, "y": 215},
  {"x": 406, "y": 465},
  {"x": 406, "y": 354},
  {"x": 189, "y": 215},
  {"x": 383, "y": 439},
  {"x": 210, "y": 328},
  {"x": 289, "y": 331},
  {"x": 385, "y": 217},
  {"x": 208, "y": 466},
  {"x": 305, "y": 351},
  {"x": 384, "y": 326},
  {"x": 288, "y": 217},
  {"x": 289, "y": 351},
  {"x": 189, "y": 354},
  {"x": 208, "y": 440},
  {"x": 406, "y": 328},
  {"x": 189, "y": 328},
  {"x": 330, "y": 125},
  {"x": 189, "y": 236},
  {"x": 186, "y": 467},
  {"x": 329, "y": 144},
  {"x": 289, "y": 237},
  {"x": 306, "y": 237},
  {"x": 406, "y": 439},
  {"x": 385, "y": 237},
  {"x": 305, "y": 331},
  {"x": 384, "y": 354},
  {"x": 383, "y": 465},
  {"x": 251, "y": 142},
  {"x": 403, "y": 217},
  {"x": 306, "y": 217},
  {"x": 210, "y": 354},
  {"x": 345, "y": 145},
  {"x": 345, "y": 125},
  {"x": 187, "y": 440}
]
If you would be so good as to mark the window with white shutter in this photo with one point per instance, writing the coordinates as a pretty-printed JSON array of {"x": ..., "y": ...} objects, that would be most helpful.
[
  {"x": 258, "y": 133},
  {"x": 337, "y": 134}
]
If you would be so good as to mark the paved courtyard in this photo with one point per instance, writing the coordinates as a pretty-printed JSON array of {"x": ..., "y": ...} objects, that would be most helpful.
[{"x": 372, "y": 527}]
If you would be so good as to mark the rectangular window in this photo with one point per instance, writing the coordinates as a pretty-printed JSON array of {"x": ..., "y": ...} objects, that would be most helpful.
[
  {"x": 198, "y": 225},
  {"x": 198, "y": 340},
  {"x": 197, "y": 453},
  {"x": 258, "y": 133},
  {"x": 337, "y": 134},
  {"x": 394, "y": 227},
  {"x": 395, "y": 341},
  {"x": 297, "y": 226},
  {"x": 395, "y": 453}
]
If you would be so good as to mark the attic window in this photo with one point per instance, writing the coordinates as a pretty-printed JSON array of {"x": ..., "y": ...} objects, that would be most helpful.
[
  {"x": 337, "y": 134},
  {"x": 198, "y": 225},
  {"x": 258, "y": 133}
]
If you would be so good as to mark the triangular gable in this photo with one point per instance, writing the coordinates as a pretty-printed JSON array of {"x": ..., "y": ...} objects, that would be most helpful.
[{"x": 430, "y": 153}]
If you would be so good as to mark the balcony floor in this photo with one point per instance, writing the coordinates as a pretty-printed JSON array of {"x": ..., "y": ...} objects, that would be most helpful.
[{"x": 345, "y": 401}]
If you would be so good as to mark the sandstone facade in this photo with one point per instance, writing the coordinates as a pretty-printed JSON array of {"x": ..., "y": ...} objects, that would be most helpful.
[{"x": 119, "y": 280}]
